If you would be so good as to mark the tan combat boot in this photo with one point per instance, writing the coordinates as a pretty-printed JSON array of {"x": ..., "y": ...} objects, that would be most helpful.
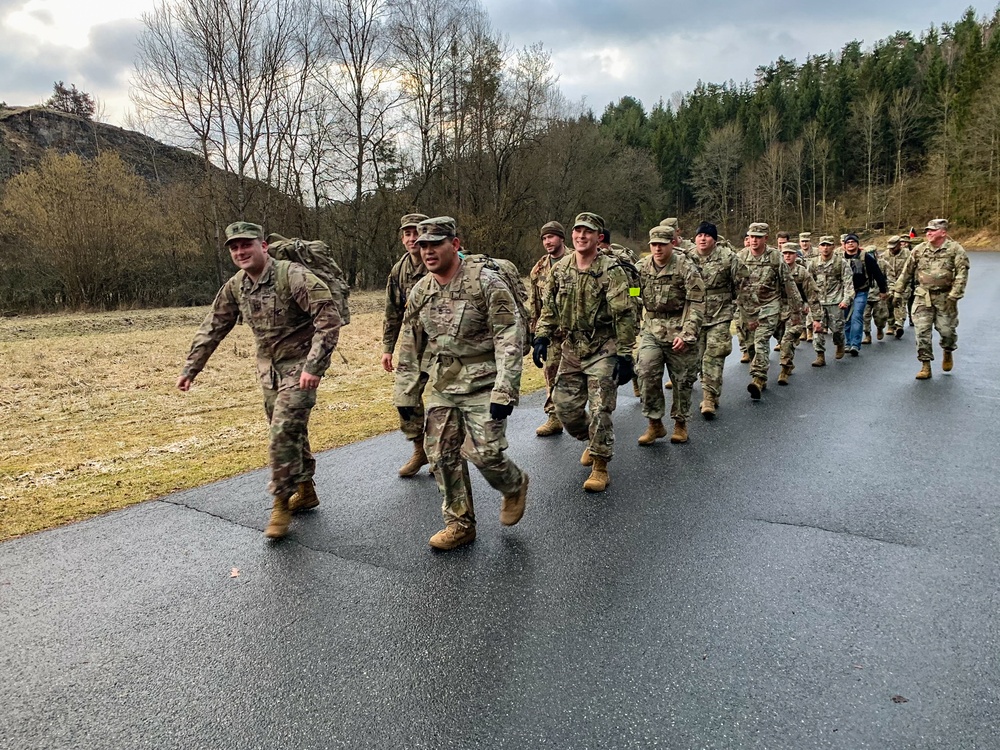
[
  {"x": 867, "y": 339},
  {"x": 947, "y": 362},
  {"x": 840, "y": 351},
  {"x": 304, "y": 498},
  {"x": 512, "y": 506},
  {"x": 746, "y": 357},
  {"x": 418, "y": 459},
  {"x": 755, "y": 388},
  {"x": 552, "y": 426},
  {"x": 654, "y": 431},
  {"x": 809, "y": 334},
  {"x": 636, "y": 391},
  {"x": 709, "y": 405},
  {"x": 598, "y": 480},
  {"x": 786, "y": 371},
  {"x": 820, "y": 360},
  {"x": 925, "y": 371},
  {"x": 880, "y": 334},
  {"x": 277, "y": 527},
  {"x": 669, "y": 384},
  {"x": 585, "y": 458},
  {"x": 680, "y": 432},
  {"x": 453, "y": 535}
]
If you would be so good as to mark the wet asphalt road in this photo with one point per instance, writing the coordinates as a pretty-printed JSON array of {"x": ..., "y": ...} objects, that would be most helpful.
[{"x": 817, "y": 570}]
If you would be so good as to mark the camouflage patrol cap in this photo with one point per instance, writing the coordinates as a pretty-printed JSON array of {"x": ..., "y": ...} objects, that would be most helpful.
[
  {"x": 244, "y": 230},
  {"x": 843, "y": 238},
  {"x": 411, "y": 220},
  {"x": 894, "y": 240},
  {"x": 758, "y": 229},
  {"x": 805, "y": 236},
  {"x": 661, "y": 235},
  {"x": 789, "y": 247},
  {"x": 827, "y": 239},
  {"x": 589, "y": 220},
  {"x": 934, "y": 224},
  {"x": 671, "y": 222},
  {"x": 552, "y": 227},
  {"x": 436, "y": 229}
]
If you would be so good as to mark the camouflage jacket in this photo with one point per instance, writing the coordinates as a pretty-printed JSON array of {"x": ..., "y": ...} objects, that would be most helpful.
[
  {"x": 593, "y": 307},
  {"x": 404, "y": 274},
  {"x": 721, "y": 270},
  {"x": 808, "y": 290},
  {"x": 673, "y": 298},
  {"x": 945, "y": 269},
  {"x": 834, "y": 282},
  {"x": 468, "y": 344},
  {"x": 295, "y": 334},
  {"x": 768, "y": 289},
  {"x": 538, "y": 277},
  {"x": 892, "y": 265}
]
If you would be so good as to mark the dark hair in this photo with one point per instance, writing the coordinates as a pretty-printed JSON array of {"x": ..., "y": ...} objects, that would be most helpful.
[{"x": 606, "y": 235}]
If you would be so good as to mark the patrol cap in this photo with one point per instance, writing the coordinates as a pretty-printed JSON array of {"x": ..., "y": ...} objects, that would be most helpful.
[
  {"x": 589, "y": 220},
  {"x": 894, "y": 240},
  {"x": 411, "y": 220},
  {"x": 827, "y": 239},
  {"x": 671, "y": 222},
  {"x": 757, "y": 229},
  {"x": 244, "y": 230},
  {"x": 436, "y": 229},
  {"x": 552, "y": 227},
  {"x": 805, "y": 236},
  {"x": 790, "y": 247},
  {"x": 851, "y": 236},
  {"x": 661, "y": 235},
  {"x": 936, "y": 224}
]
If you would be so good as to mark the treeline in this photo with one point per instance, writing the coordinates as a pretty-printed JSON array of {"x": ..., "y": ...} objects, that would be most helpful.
[{"x": 859, "y": 139}]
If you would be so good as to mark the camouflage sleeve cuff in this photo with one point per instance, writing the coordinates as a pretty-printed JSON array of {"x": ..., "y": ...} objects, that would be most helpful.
[{"x": 503, "y": 397}]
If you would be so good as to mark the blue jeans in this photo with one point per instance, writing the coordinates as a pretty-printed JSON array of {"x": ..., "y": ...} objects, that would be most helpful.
[{"x": 854, "y": 328}]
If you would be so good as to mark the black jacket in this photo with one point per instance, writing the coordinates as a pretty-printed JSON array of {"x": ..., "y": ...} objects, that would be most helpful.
[{"x": 864, "y": 266}]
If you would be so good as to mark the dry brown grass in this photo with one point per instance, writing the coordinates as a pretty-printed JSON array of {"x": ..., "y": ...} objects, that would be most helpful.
[{"x": 91, "y": 420}]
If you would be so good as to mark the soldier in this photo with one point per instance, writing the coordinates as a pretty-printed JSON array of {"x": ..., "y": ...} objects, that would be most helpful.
[
  {"x": 764, "y": 294},
  {"x": 721, "y": 271},
  {"x": 893, "y": 260},
  {"x": 795, "y": 317},
  {"x": 673, "y": 295},
  {"x": 553, "y": 240},
  {"x": 742, "y": 334},
  {"x": 296, "y": 324},
  {"x": 877, "y": 308},
  {"x": 588, "y": 297},
  {"x": 462, "y": 327},
  {"x": 686, "y": 245},
  {"x": 906, "y": 246},
  {"x": 940, "y": 269},
  {"x": 835, "y": 289},
  {"x": 407, "y": 271},
  {"x": 783, "y": 237},
  {"x": 806, "y": 249}
]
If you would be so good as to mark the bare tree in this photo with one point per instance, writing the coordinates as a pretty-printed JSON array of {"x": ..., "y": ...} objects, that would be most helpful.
[
  {"x": 904, "y": 111},
  {"x": 715, "y": 171},
  {"x": 867, "y": 117}
]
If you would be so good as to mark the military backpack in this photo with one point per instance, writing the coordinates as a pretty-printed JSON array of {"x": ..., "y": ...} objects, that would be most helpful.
[
  {"x": 317, "y": 256},
  {"x": 508, "y": 272}
]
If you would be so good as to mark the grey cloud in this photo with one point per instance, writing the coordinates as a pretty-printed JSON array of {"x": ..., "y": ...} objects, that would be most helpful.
[{"x": 111, "y": 52}]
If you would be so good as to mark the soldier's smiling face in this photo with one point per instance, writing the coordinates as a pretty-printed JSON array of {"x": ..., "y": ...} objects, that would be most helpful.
[
  {"x": 409, "y": 236},
  {"x": 704, "y": 242},
  {"x": 553, "y": 244},
  {"x": 585, "y": 239},
  {"x": 936, "y": 236},
  {"x": 440, "y": 257},
  {"x": 249, "y": 255}
]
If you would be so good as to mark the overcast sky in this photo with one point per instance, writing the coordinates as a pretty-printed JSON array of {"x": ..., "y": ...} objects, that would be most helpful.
[{"x": 648, "y": 49}]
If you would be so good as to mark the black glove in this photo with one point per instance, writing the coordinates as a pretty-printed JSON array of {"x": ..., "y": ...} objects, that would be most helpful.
[
  {"x": 540, "y": 351},
  {"x": 405, "y": 412},
  {"x": 500, "y": 411},
  {"x": 624, "y": 370}
]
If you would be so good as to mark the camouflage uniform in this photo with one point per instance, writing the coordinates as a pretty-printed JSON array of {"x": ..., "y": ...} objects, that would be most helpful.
[
  {"x": 767, "y": 291},
  {"x": 293, "y": 335},
  {"x": 795, "y": 317},
  {"x": 469, "y": 344},
  {"x": 940, "y": 275},
  {"x": 402, "y": 278},
  {"x": 876, "y": 309},
  {"x": 893, "y": 261},
  {"x": 721, "y": 272},
  {"x": 538, "y": 277},
  {"x": 673, "y": 298},
  {"x": 834, "y": 285},
  {"x": 596, "y": 312}
]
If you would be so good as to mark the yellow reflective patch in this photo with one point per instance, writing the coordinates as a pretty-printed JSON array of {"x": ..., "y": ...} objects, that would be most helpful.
[{"x": 633, "y": 291}]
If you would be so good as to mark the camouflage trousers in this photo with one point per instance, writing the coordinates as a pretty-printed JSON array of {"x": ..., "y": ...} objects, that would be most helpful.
[
  {"x": 790, "y": 338},
  {"x": 292, "y": 462},
  {"x": 760, "y": 342},
  {"x": 897, "y": 311},
  {"x": 743, "y": 334},
  {"x": 877, "y": 309},
  {"x": 413, "y": 428},
  {"x": 458, "y": 434},
  {"x": 934, "y": 310},
  {"x": 588, "y": 383},
  {"x": 550, "y": 371},
  {"x": 682, "y": 368},
  {"x": 715, "y": 343},
  {"x": 833, "y": 322}
]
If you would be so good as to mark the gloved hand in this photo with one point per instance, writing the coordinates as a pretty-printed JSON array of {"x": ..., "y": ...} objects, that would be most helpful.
[
  {"x": 624, "y": 370},
  {"x": 405, "y": 412},
  {"x": 540, "y": 351},
  {"x": 500, "y": 411}
]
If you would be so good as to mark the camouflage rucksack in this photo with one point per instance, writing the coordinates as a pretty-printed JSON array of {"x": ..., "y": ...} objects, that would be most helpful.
[
  {"x": 512, "y": 278},
  {"x": 318, "y": 258}
]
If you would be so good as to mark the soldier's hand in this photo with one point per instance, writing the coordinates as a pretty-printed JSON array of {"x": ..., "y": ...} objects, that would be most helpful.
[
  {"x": 387, "y": 362},
  {"x": 184, "y": 383},
  {"x": 752, "y": 325},
  {"x": 952, "y": 305},
  {"x": 843, "y": 305},
  {"x": 624, "y": 370},
  {"x": 678, "y": 345},
  {"x": 540, "y": 351},
  {"x": 500, "y": 411},
  {"x": 817, "y": 327},
  {"x": 883, "y": 295},
  {"x": 405, "y": 412},
  {"x": 308, "y": 382}
]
